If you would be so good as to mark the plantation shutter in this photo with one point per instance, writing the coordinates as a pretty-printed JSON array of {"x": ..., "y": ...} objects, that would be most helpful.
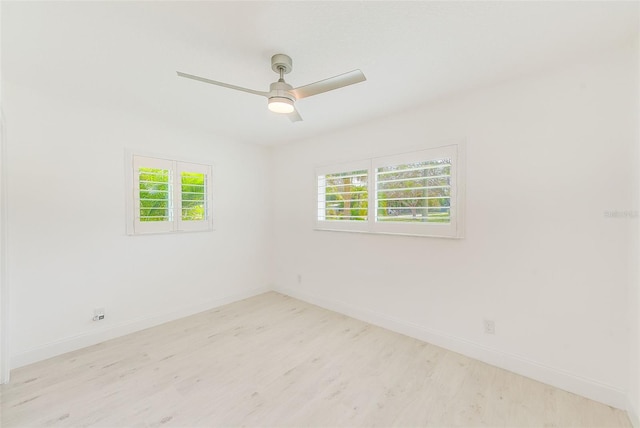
[
  {"x": 170, "y": 196},
  {"x": 419, "y": 193},
  {"x": 153, "y": 200},
  {"x": 416, "y": 193},
  {"x": 194, "y": 196},
  {"x": 343, "y": 196}
]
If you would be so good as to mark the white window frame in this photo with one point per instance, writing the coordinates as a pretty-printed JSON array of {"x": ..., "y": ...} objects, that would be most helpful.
[
  {"x": 135, "y": 160},
  {"x": 453, "y": 229}
]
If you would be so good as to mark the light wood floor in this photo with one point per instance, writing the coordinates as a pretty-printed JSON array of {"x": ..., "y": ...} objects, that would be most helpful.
[{"x": 275, "y": 361}]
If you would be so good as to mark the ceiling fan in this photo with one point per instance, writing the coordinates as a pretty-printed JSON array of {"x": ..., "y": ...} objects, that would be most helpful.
[{"x": 281, "y": 95}]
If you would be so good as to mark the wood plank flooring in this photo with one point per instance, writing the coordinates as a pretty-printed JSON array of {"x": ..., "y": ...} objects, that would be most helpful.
[{"x": 272, "y": 360}]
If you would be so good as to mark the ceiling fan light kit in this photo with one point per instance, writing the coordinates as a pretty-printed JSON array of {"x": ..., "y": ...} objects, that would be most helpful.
[
  {"x": 281, "y": 105},
  {"x": 281, "y": 97}
]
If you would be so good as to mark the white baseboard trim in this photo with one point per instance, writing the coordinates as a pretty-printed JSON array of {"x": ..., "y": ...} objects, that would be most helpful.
[
  {"x": 559, "y": 378},
  {"x": 83, "y": 340}
]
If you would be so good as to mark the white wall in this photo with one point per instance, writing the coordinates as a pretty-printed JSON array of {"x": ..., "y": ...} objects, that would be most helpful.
[
  {"x": 547, "y": 155},
  {"x": 4, "y": 294},
  {"x": 67, "y": 248},
  {"x": 633, "y": 405},
  {"x": 634, "y": 283},
  {"x": 4, "y": 290}
]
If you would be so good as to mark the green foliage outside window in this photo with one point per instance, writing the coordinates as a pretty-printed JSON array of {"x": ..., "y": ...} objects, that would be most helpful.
[
  {"x": 193, "y": 196},
  {"x": 346, "y": 196},
  {"x": 155, "y": 190},
  {"x": 155, "y": 195}
]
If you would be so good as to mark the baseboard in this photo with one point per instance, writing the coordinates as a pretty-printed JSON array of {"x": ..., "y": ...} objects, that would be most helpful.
[
  {"x": 559, "y": 378},
  {"x": 83, "y": 340}
]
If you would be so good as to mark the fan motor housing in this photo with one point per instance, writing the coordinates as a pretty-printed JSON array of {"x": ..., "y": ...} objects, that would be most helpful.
[{"x": 281, "y": 90}]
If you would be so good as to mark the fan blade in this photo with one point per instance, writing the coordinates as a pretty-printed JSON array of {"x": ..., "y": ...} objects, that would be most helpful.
[
  {"x": 226, "y": 85},
  {"x": 329, "y": 84},
  {"x": 295, "y": 116}
]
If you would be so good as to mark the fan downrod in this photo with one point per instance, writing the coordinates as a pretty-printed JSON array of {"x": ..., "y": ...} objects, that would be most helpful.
[{"x": 281, "y": 62}]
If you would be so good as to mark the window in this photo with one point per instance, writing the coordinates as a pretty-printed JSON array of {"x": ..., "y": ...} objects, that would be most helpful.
[
  {"x": 417, "y": 193},
  {"x": 414, "y": 192},
  {"x": 343, "y": 196},
  {"x": 169, "y": 196}
]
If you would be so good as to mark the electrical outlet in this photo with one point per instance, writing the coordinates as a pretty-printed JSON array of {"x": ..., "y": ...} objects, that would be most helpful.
[
  {"x": 98, "y": 314},
  {"x": 489, "y": 327},
  {"x": 299, "y": 279}
]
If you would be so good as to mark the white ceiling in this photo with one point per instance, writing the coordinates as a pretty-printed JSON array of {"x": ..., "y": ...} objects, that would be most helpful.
[{"x": 125, "y": 55}]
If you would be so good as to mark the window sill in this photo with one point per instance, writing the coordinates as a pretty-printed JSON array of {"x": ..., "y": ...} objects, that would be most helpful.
[
  {"x": 368, "y": 232},
  {"x": 172, "y": 232}
]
